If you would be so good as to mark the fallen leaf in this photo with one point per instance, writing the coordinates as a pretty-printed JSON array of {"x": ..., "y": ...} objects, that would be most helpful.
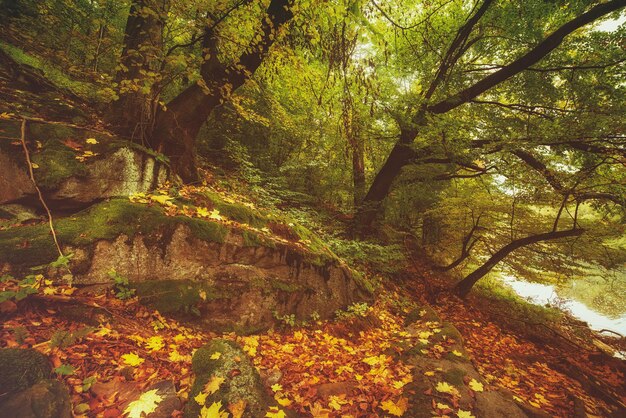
[
  {"x": 395, "y": 408},
  {"x": 132, "y": 359},
  {"x": 476, "y": 386},
  {"x": 146, "y": 404}
]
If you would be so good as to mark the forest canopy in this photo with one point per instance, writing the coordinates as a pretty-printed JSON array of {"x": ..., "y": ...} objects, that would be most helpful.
[{"x": 493, "y": 130}]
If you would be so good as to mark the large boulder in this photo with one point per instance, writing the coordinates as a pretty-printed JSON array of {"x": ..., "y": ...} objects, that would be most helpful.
[
  {"x": 74, "y": 166},
  {"x": 231, "y": 278}
]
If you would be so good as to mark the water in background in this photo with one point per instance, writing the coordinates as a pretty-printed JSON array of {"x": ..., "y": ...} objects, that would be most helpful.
[{"x": 542, "y": 294}]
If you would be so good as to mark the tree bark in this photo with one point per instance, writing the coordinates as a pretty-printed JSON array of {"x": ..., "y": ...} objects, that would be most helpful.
[
  {"x": 177, "y": 127},
  {"x": 463, "y": 287},
  {"x": 132, "y": 114},
  {"x": 400, "y": 154}
]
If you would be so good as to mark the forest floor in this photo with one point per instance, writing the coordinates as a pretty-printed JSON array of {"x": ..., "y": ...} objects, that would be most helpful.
[
  {"x": 105, "y": 353},
  {"x": 109, "y": 351}
]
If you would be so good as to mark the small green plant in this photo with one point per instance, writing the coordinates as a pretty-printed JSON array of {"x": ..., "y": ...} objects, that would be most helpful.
[
  {"x": 64, "y": 370},
  {"x": 122, "y": 286},
  {"x": 13, "y": 289},
  {"x": 64, "y": 339},
  {"x": 359, "y": 309},
  {"x": 315, "y": 316},
  {"x": 287, "y": 319}
]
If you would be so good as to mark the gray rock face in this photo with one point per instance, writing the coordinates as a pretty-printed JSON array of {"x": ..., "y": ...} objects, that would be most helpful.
[
  {"x": 116, "y": 168},
  {"x": 231, "y": 284},
  {"x": 121, "y": 173}
]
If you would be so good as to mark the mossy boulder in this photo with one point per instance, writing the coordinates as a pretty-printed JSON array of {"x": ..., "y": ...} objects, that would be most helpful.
[
  {"x": 74, "y": 166},
  {"x": 22, "y": 368},
  {"x": 241, "y": 381},
  {"x": 45, "y": 399}
]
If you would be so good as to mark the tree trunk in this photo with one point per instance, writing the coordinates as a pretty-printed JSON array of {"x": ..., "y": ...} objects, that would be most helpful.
[
  {"x": 177, "y": 127},
  {"x": 463, "y": 287},
  {"x": 401, "y": 153},
  {"x": 133, "y": 113},
  {"x": 358, "y": 171}
]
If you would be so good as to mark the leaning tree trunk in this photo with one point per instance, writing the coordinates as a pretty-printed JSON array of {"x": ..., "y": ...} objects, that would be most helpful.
[
  {"x": 463, "y": 287},
  {"x": 176, "y": 128},
  {"x": 401, "y": 153},
  {"x": 133, "y": 113}
]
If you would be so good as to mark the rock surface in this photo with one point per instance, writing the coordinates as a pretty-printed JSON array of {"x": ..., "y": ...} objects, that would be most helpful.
[
  {"x": 22, "y": 368},
  {"x": 114, "y": 168},
  {"x": 46, "y": 399},
  {"x": 241, "y": 383},
  {"x": 26, "y": 388}
]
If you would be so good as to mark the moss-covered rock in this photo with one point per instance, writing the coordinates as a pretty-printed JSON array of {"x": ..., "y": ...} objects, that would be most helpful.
[
  {"x": 241, "y": 380},
  {"x": 46, "y": 399},
  {"x": 32, "y": 245},
  {"x": 22, "y": 368},
  {"x": 177, "y": 296}
]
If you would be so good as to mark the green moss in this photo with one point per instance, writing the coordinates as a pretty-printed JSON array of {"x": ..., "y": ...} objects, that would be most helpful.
[
  {"x": 21, "y": 368},
  {"x": 245, "y": 385},
  {"x": 56, "y": 163},
  {"x": 251, "y": 239},
  {"x": 33, "y": 245},
  {"x": 363, "y": 282},
  {"x": 237, "y": 212},
  {"x": 455, "y": 376},
  {"x": 175, "y": 296}
]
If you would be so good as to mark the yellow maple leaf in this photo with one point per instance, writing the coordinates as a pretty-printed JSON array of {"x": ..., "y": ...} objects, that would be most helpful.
[
  {"x": 429, "y": 373},
  {"x": 216, "y": 355},
  {"x": 49, "y": 290},
  {"x": 201, "y": 398},
  {"x": 213, "y": 384},
  {"x": 155, "y": 343},
  {"x": 445, "y": 387},
  {"x": 132, "y": 359},
  {"x": 275, "y": 413},
  {"x": 476, "y": 386},
  {"x": 457, "y": 353},
  {"x": 213, "y": 411},
  {"x": 464, "y": 414},
  {"x": 146, "y": 404},
  {"x": 318, "y": 411},
  {"x": 179, "y": 338},
  {"x": 202, "y": 212},
  {"x": 176, "y": 356},
  {"x": 215, "y": 214},
  {"x": 277, "y": 387},
  {"x": 91, "y": 141},
  {"x": 395, "y": 408},
  {"x": 336, "y": 402},
  {"x": 162, "y": 199},
  {"x": 283, "y": 401}
]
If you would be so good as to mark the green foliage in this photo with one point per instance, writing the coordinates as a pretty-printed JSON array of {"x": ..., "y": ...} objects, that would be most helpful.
[
  {"x": 64, "y": 339},
  {"x": 381, "y": 259},
  {"x": 356, "y": 310},
  {"x": 288, "y": 320},
  {"x": 122, "y": 286},
  {"x": 64, "y": 370},
  {"x": 25, "y": 287}
]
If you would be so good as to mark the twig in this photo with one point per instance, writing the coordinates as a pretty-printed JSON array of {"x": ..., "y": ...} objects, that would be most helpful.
[{"x": 32, "y": 179}]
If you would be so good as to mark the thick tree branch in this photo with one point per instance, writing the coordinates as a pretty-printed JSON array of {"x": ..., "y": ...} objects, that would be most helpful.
[{"x": 527, "y": 60}]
